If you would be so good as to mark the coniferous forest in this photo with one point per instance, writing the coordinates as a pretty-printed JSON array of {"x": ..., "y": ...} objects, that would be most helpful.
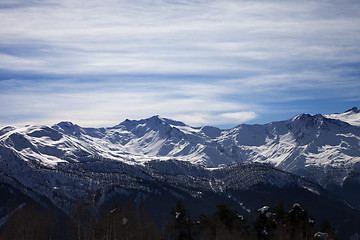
[{"x": 131, "y": 221}]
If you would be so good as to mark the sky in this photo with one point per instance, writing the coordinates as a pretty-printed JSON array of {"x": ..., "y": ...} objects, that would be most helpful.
[{"x": 203, "y": 62}]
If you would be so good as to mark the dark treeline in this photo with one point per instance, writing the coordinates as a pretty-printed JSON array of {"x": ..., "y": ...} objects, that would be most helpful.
[{"x": 134, "y": 222}]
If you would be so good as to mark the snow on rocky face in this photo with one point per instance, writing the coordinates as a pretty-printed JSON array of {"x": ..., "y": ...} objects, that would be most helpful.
[
  {"x": 322, "y": 148},
  {"x": 351, "y": 116}
]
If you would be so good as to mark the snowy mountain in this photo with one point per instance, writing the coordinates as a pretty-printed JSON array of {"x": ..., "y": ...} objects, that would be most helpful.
[
  {"x": 301, "y": 145},
  {"x": 351, "y": 116},
  {"x": 158, "y": 158}
]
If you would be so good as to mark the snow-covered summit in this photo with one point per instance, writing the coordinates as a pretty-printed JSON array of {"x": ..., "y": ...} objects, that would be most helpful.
[
  {"x": 152, "y": 122},
  {"x": 351, "y": 116},
  {"x": 354, "y": 110}
]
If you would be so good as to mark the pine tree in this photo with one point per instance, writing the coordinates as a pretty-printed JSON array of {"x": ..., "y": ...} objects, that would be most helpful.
[
  {"x": 326, "y": 227},
  {"x": 225, "y": 223},
  {"x": 181, "y": 227},
  {"x": 300, "y": 223}
]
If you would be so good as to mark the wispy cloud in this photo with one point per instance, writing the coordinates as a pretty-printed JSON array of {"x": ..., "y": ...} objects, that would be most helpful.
[
  {"x": 164, "y": 37},
  {"x": 113, "y": 102},
  {"x": 205, "y": 62}
]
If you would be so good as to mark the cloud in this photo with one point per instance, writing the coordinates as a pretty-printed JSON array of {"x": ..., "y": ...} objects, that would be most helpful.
[
  {"x": 227, "y": 119},
  {"x": 109, "y": 103},
  {"x": 240, "y": 116},
  {"x": 188, "y": 37},
  {"x": 203, "y": 62}
]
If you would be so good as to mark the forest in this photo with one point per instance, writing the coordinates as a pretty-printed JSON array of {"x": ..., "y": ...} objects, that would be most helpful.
[{"x": 130, "y": 221}]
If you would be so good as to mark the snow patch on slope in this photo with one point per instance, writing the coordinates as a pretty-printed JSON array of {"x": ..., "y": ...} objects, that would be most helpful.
[{"x": 351, "y": 116}]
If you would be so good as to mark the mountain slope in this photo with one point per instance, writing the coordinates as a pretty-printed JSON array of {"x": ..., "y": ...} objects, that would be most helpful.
[
  {"x": 351, "y": 116},
  {"x": 316, "y": 158},
  {"x": 159, "y": 184},
  {"x": 301, "y": 145}
]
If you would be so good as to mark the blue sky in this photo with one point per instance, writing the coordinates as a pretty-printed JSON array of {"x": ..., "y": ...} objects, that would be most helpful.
[{"x": 212, "y": 62}]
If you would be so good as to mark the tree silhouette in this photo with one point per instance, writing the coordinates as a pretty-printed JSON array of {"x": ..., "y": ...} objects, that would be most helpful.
[
  {"x": 181, "y": 227},
  {"x": 225, "y": 223}
]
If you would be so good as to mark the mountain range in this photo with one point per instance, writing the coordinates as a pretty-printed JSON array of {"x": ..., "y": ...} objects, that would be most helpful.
[{"x": 314, "y": 159}]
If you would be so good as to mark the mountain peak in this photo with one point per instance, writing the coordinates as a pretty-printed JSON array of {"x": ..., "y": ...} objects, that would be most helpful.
[
  {"x": 167, "y": 121},
  {"x": 351, "y": 116},
  {"x": 154, "y": 120},
  {"x": 68, "y": 127},
  {"x": 305, "y": 117},
  {"x": 65, "y": 124},
  {"x": 353, "y": 110}
]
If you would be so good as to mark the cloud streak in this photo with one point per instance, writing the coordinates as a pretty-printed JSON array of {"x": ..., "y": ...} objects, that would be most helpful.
[
  {"x": 139, "y": 37},
  {"x": 95, "y": 106}
]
